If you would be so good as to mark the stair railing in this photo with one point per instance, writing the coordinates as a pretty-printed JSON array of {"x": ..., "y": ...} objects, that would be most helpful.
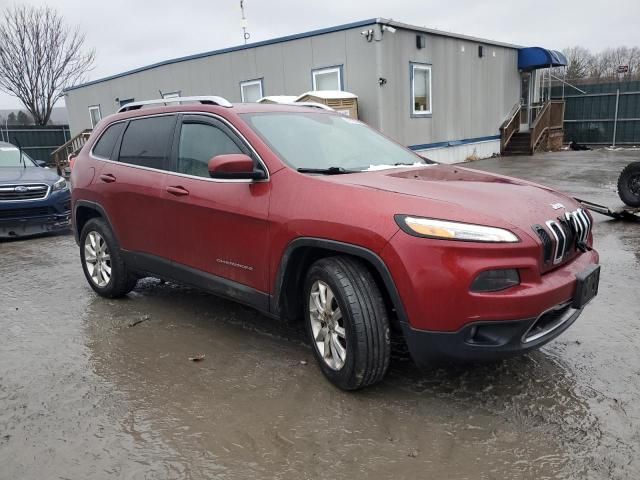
[
  {"x": 510, "y": 126},
  {"x": 72, "y": 147},
  {"x": 551, "y": 117}
]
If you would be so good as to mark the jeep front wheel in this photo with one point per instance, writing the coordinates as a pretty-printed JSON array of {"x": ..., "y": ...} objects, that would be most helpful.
[{"x": 347, "y": 322}]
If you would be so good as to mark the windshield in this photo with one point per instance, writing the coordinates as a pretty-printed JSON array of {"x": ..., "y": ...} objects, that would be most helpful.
[
  {"x": 321, "y": 141},
  {"x": 10, "y": 157}
]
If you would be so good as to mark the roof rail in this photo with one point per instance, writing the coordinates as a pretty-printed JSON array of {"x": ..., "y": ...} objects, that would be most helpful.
[{"x": 205, "y": 100}]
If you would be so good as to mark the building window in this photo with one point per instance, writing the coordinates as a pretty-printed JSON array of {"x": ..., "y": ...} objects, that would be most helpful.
[
  {"x": 171, "y": 95},
  {"x": 420, "y": 89},
  {"x": 126, "y": 100},
  {"x": 251, "y": 91},
  {"x": 327, "y": 78},
  {"x": 94, "y": 115}
]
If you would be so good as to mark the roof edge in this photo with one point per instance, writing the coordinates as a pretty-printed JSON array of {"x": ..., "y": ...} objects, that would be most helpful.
[
  {"x": 272, "y": 41},
  {"x": 442, "y": 33},
  {"x": 295, "y": 36}
]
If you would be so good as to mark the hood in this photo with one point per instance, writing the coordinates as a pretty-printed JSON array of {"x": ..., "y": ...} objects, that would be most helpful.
[
  {"x": 11, "y": 175},
  {"x": 517, "y": 202}
]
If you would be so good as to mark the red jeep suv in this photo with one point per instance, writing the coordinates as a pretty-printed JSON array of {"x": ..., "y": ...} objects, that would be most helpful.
[{"x": 306, "y": 214}]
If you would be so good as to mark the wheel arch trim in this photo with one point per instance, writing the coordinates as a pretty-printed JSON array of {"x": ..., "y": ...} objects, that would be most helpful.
[
  {"x": 363, "y": 253},
  {"x": 91, "y": 206}
]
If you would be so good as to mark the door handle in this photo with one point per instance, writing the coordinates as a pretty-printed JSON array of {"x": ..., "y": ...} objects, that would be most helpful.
[
  {"x": 178, "y": 191},
  {"x": 107, "y": 178}
]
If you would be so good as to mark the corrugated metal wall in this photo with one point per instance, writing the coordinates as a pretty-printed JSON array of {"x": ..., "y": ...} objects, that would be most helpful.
[
  {"x": 590, "y": 117},
  {"x": 471, "y": 95},
  {"x": 37, "y": 142},
  {"x": 285, "y": 68}
]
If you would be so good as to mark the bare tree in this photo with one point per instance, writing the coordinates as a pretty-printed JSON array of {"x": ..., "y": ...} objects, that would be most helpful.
[
  {"x": 39, "y": 57},
  {"x": 579, "y": 62}
]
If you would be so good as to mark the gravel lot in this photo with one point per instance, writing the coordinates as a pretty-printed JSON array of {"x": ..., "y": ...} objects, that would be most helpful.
[{"x": 95, "y": 388}]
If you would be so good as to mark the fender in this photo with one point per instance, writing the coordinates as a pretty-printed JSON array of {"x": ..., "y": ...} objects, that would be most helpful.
[
  {"x": 364, "y": 253},
  {"x": 92, "y": 206}
]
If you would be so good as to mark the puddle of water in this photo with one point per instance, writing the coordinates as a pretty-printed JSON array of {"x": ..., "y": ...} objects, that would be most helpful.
[{"x": 83, "y": 394}]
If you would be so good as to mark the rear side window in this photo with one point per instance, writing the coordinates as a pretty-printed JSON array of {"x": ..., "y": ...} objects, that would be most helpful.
[
  {"x": 146, "y": 142},
  {"x": 199, "y": 143},
  {"x": 104, "y": 146}
]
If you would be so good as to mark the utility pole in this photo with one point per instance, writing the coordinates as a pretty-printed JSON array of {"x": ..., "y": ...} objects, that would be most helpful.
[{"x": 245, "y": 34}]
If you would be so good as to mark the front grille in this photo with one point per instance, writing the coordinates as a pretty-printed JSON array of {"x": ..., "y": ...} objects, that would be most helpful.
[
  {"x": 547, "y": 243},
  {"x": 23, "y": 191},
  {"x": 563, "y": 236},
  {"x": 25, "y": 212}
]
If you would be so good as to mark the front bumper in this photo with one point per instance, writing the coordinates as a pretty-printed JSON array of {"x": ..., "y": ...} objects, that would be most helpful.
[
  {"x": 442, "y": 318},
  {"x": 13, "y": 228},
  {"x": 21, "y": 219},
  {"x": 489, "y": 340}
]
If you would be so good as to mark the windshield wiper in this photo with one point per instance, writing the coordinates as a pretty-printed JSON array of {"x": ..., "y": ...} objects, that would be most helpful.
[
  {"x": 22, "y": 160},
  {"x": 327, "y": 171}
]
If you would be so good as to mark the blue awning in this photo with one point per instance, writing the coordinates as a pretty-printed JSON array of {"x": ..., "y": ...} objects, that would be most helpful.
[{"x": 532, "y": 58}]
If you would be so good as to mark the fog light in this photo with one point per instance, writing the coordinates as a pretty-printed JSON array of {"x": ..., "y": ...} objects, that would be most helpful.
[{"x": 496, "y": 280}]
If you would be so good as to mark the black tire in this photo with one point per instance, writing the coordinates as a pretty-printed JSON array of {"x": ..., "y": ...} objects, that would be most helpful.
[
  {"x": 121, "y": 281},
  {"x": 364, "y": 319},
  {"x": 629, "y": 185}
]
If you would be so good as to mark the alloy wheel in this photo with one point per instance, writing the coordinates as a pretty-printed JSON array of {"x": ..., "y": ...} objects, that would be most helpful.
[
  {"x": 97, "y": 259},
  {"x": 327, "y": 325}
]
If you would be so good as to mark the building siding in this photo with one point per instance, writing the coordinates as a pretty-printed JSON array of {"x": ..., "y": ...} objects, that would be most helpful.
[
  {"x": 471, "y": 96},
  {"x": 284, "y": 67}
]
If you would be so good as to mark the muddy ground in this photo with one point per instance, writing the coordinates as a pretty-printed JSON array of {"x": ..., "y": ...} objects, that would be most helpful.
[{"x": 95, "y": 388}]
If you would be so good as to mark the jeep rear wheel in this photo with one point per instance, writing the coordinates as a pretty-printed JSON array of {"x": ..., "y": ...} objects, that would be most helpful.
[
  {"x": 102, "y": 261},
  {"x": 347, "y": 322}
]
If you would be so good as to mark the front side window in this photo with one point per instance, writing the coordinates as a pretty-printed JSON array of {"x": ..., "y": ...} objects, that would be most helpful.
[
  {"x": 94, "y": 115},
  {"x": 199, "y": 143},
  {"x": 146, "y": 142},
  {"x": 324, "y": 140},
  {"x": 421, "y": 89},
  {"x": 251, "y": 91},
  {"x": 104, "y": 146},
  {"x": 327, "y": 79}
]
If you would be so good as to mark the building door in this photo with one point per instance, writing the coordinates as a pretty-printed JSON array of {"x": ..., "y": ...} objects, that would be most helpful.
[{"x": 525, "y": 101}]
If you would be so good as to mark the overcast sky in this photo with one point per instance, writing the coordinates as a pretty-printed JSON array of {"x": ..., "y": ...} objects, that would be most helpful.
[{"x": 133, "y": 33}]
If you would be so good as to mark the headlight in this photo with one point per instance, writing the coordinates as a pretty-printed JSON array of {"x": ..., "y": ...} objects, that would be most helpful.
[
  {"x": 61, "y": 184},
  {"x": 444, "y": 229}
]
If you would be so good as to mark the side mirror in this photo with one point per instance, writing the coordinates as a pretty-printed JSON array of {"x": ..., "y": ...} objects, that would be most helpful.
[{"x": 236, "y": 166}]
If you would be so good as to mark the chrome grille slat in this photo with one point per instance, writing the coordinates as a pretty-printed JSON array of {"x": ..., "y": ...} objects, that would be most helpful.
[
  {"x": 24, "y": 191},
  {"x": 568, "y": 232}
]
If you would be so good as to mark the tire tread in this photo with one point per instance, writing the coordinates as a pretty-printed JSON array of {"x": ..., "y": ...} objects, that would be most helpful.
[
  {"x": 623, "y": 190},
  {"x": 369, "y": 318}
]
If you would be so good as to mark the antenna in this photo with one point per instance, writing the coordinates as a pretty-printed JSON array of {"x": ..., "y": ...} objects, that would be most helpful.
[{"x": 245, "y": 34}]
